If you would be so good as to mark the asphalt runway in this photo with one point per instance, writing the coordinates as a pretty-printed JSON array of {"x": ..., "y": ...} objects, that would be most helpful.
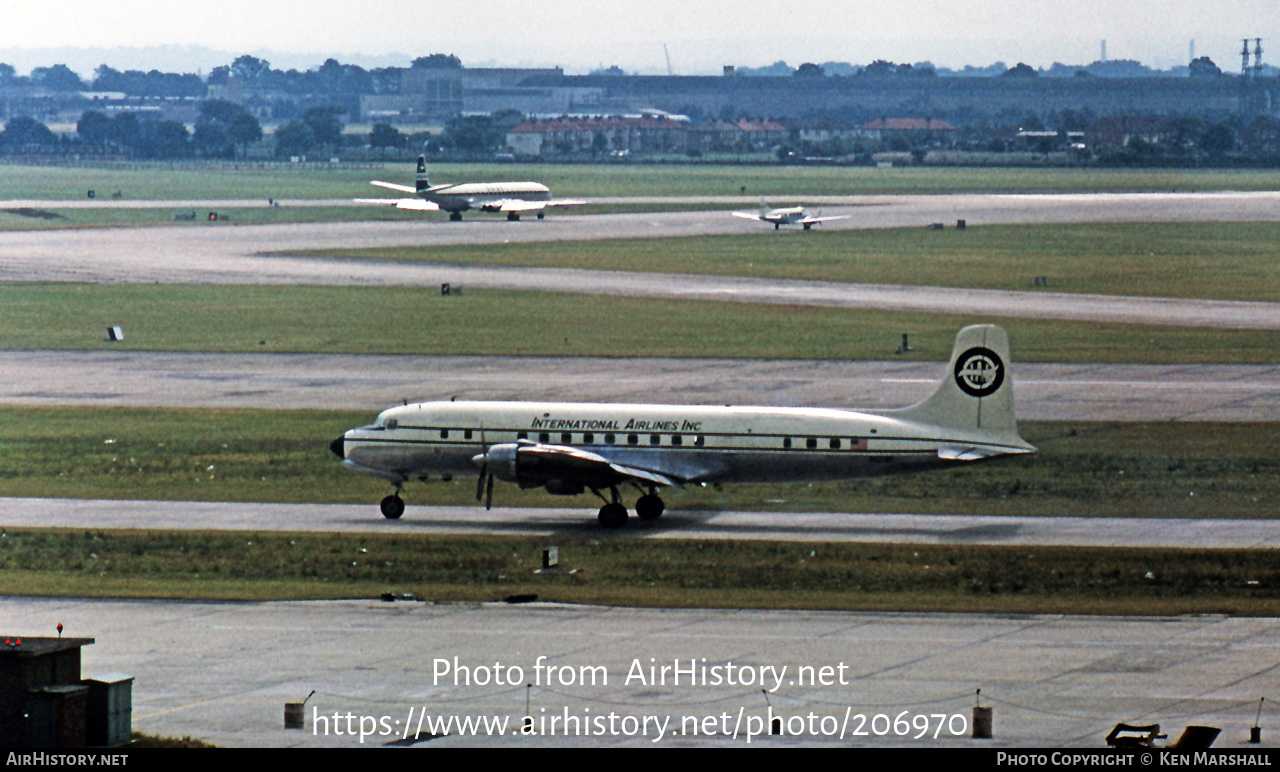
[
  {"x": 224, "y": 671},
  {"x": 257, "y": 255},
  {"x": 1057, "y": 392}
]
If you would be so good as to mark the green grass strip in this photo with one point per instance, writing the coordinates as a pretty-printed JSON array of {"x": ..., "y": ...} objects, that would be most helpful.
[
  {"x": 160, "y": 181},
  {"x": 630, "y": 572},
  {"x": 1221, "y": 261},
  {"x": 417, "y": 320}
]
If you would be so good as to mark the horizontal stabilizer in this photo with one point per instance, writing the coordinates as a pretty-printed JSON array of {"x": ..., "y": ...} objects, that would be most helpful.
[
  {"x": 416, "y": 204},
  {"x": 394, "y": 186},
  {"x": 969, "y": 453}
]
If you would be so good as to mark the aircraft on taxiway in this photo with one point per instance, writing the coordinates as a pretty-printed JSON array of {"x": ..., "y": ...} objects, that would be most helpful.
[
  {"x": 570, "y": 448},
  {"x": 513, "y": 198},
  {"x": 795, "y": 215}
]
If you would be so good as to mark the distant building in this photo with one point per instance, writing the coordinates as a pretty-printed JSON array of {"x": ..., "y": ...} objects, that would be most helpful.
[
  {"x": 602, "y": 133},
  {"x": 916, "y": 130},
  {"x": 1120, "y": 131}
]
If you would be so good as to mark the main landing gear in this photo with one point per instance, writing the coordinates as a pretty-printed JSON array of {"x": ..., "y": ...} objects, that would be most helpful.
[{"x": 613, "y": 514}]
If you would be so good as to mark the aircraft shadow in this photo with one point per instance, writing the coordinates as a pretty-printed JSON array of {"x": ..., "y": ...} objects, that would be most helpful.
[{"x": 700, "y": 524}]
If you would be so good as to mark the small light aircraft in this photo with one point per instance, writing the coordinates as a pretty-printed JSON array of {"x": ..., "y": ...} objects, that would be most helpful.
[
  {"x": 569, "y": 448},
  {"x": 795, "y": 215},
  {"x": 513, "y": 198}
]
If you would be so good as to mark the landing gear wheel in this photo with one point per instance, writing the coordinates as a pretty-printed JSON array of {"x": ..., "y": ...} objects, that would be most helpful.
[
  {"x": 392, "y": 507},
  {"x": 455, "y": 217},
  {"x": 613, "y": 516},
  {"x": 541, "y": 215},
  {"x": 650, "y": 507},
  {"x": 513, "y": 217}
]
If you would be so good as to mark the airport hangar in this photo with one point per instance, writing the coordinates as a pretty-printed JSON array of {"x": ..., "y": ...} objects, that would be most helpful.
[{"x": 1057, "y": 681}]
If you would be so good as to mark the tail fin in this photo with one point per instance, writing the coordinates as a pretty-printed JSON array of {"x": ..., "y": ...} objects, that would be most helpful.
[
  {"x": 422, "y": 182},
  {"x": 976, "y": 393}
]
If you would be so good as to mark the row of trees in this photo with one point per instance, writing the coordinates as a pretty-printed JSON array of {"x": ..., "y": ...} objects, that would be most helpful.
[
  {"x": 224, "y": 130},
  {"x": 331, "y": 78}
]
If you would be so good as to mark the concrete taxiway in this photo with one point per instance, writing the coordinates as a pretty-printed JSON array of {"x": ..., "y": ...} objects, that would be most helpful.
[
  {"x": 675, "y": 524},
  {"x": 224, "y": 671},
  {"x": 1059, "y": 392}
]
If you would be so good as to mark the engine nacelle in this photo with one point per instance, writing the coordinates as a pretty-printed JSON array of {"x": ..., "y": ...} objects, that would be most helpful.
[{"x": 564, "y": 488}]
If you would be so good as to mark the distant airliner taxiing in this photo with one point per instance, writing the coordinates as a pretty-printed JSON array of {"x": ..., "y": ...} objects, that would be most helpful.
[
  {"x": 795, "y": 215},
  {"x": 571, "y": 448},
  {"x": 513, "y": 198}
]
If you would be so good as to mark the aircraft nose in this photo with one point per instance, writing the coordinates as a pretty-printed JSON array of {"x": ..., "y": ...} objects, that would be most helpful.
[{"x": 338, "y": 446}]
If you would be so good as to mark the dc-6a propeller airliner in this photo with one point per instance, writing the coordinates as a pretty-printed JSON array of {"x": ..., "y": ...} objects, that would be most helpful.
[
  {"x": 513, "y": 198},
  {"x": 569, "y": 448}
]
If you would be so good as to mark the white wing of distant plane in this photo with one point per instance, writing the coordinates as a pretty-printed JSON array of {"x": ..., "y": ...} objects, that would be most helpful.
[
  {"x": 394, "y": 186},
  {"x": 521, "y": 205},
  {"x": 813, "y": 220},
  {"x": 416, "y": 204},
  {"x": 749, "y": 216},
  {"x": 512, "y": 205}
]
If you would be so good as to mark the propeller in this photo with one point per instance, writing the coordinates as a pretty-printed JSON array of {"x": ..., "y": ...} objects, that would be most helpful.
[{"x": 484, "y": 485}]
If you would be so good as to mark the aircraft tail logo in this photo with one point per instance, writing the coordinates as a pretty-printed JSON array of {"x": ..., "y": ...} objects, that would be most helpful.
[
  {"x": 979, "y": 372},
  {"x": 422, "y": 182}
]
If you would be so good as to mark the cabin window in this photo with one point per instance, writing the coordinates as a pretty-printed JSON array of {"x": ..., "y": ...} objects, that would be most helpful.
[
  {"x": 835, "y": 444},
  {"x": 444, "y": 434},
  {"x": 677, "y": 440},
  {"x": 655, "y": 439},
  {"x": 466, "y": 435},
  {"x": 392, "y": 423},
  {"x": 566, "y": 438},
  {"x": 811, "y": 443},
  {"x": 786, "y": 443},
  {"x": 609, "y": 439},
  {"x": 588, "y": 439},
  {"x": 633, "y": 439},
  {"x": 522, "y": 436},
  {"x": 700, "y": 441},
  {"x": 544, "y": 437}
]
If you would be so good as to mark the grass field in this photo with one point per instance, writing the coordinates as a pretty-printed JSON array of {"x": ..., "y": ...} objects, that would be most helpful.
[
  {"x": 662, "y": 573},
  {"x": 273, "y": 180},
  {"x": 406, "y": 320},
  {"x": 1224, "y": 261},
  {"x": 1082, "y": 469}
]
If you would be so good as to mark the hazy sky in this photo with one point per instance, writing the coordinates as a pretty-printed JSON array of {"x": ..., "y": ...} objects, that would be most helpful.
[{"x": 701, "y": 35}]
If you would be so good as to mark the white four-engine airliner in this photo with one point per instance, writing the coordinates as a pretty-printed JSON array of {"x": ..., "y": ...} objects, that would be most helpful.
[
  {"x": 793, "y": 215},
  {"x": 570, "y": 448},
  {"x": 513, "y": 198}
]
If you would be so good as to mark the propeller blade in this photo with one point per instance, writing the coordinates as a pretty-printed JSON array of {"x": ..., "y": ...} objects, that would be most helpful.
[
  {"x": 484, "y": 472},
  {"x": 488, "y": 499}
]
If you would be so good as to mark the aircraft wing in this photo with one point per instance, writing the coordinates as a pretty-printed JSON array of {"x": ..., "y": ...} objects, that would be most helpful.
[
  {"x": 749, "y": 216},
  {"x": 394, "y": 186},
  {"x": 566, "y": 202},
  {"x": 513, "y": 205},
  {"x": 416, "y": 204},
  {"x": 814, "y": 220},
  {"x": 569, "y": 463}
]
